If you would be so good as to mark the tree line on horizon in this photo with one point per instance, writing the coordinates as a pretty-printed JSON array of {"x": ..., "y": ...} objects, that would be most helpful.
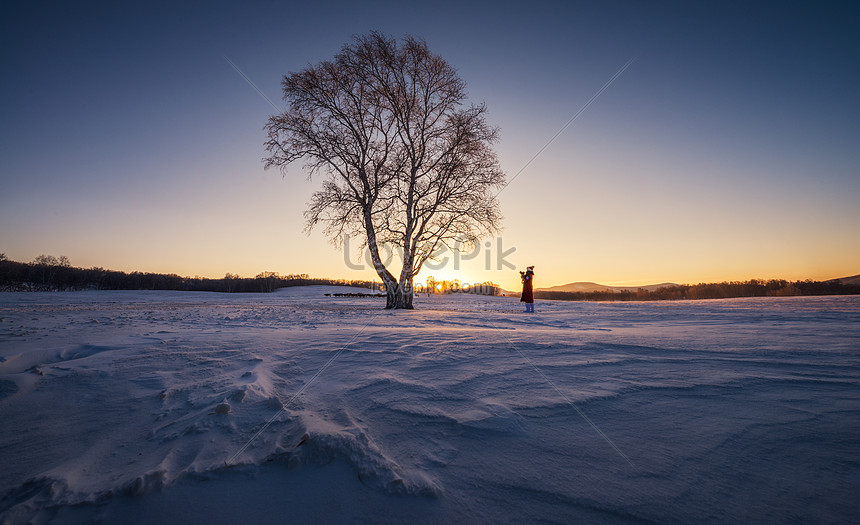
[
  {"x": 723, "y": 290},
  {"x": 50, "y": 273},
  {"x": 47, "y": 273}
]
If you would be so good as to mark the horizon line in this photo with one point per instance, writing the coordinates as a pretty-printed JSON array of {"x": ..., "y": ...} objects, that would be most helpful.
[{"x": 613, "y": 284}]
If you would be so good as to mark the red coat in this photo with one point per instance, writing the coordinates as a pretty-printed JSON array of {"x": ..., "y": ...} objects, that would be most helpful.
[{"x": 528, "y": 288}]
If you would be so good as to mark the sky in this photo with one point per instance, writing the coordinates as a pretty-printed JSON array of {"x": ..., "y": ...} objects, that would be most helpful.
[{"x": 727, "y": 150}]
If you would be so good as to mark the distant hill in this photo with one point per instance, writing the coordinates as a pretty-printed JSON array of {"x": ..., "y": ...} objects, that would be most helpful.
[
  {"x": 848, "y": 280},
  {"x": 587, "y": 287}
]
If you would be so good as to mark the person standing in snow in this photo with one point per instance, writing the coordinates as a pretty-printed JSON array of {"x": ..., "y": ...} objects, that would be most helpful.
[{"x": 528, "y": 295}]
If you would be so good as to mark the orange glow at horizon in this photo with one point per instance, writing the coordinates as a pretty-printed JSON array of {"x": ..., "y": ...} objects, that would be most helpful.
[{"x": 686, "y": 169}]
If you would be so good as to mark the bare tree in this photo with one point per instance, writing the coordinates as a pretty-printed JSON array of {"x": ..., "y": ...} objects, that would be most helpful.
[
  {"x": 406, "y": 161},
  {"x": 46, "y": 268}
]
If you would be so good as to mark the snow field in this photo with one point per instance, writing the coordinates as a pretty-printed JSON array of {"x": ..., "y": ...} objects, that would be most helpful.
[{"x": 210, "y": 408}]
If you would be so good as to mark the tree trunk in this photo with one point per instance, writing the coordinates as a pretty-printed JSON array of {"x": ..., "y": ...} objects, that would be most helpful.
[
  {"x": 390, "y": 295},
  {"x": 394, "y": 298},
  {"x": 405, "y": 292},
  {"x": 397, "y": 296},
  {"x": 405, "y": 297}
]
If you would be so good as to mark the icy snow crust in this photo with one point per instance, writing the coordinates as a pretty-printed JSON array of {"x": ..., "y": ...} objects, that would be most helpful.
[{"x": 140, "y": 407}]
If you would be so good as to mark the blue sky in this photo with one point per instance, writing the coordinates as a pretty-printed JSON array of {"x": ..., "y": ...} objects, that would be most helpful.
[{"x": 727, "y": 150}]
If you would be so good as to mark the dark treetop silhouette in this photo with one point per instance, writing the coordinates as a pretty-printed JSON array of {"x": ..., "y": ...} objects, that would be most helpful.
[{"x": 406, "y": 163}]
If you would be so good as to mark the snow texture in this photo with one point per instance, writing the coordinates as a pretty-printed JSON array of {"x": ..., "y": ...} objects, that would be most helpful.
[{"x": 141, "y": 407}]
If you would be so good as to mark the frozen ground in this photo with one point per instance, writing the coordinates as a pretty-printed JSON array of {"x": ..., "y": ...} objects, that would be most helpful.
[{"x": 163, "y": 407}]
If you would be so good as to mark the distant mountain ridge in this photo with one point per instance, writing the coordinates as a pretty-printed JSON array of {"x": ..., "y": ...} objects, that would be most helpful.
[
  {"x": 594, "y": 287},
  {"x": 854, "y": 279},
  {"x": 587, "y": 287}
]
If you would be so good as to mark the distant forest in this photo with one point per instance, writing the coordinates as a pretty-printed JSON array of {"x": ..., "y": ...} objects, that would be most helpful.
[
  {"x": 49, "y": 273},
  {"x": 724, "y": 290}
]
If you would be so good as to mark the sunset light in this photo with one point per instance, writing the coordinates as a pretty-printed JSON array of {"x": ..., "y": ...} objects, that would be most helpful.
[
  {"x": 466, "y": 262},
  {"x": 724, "y": 150}
]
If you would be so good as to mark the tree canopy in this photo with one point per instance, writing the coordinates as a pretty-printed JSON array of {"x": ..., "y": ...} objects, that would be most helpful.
[{"x": 406, "y": 161}]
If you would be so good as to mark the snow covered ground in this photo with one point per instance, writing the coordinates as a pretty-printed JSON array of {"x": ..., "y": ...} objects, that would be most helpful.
[{"x": 170, "y": 407}]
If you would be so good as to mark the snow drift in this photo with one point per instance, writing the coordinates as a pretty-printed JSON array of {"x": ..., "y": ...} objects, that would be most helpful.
[{"x": 210, "y": 408}]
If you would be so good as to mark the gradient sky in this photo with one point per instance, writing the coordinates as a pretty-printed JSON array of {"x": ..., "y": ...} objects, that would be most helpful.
[{"x": 728, "y": 150}]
